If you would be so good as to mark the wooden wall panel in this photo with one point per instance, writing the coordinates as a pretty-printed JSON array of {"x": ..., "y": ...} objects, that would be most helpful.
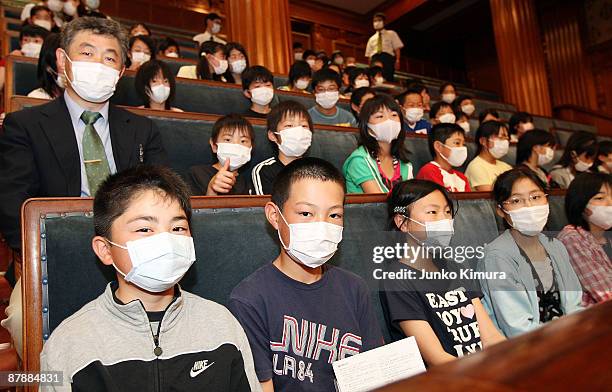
[
  {"x": 601, "y": 63},
  {"x": 571, "y": 78},
  {"x": 520, "y": 54}
]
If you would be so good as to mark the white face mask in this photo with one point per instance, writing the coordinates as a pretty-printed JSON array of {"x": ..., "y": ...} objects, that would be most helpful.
[
  {"x": 378, "y": 25},
  {"x": 328, "y": 99},
  {"x": 55, "y": 5},
  {"x": 386, "y": 131},
  {"x": 413, "y": 115},
  {"x": 140, "y": 57},
  {"x": 379, "y": 80},
  {"x": 601, "y": 216},
  {"x": 238, "y": 66},
  {"x": 159, "y": 261},
  {"x": 311, "y": 62},
  {"x": 468, "y": 109},
  {"x": 312, "y": 243},
  {"x": 262, "y": 95},
  {"x": 216, "y": 28},
  {"x": 362, "y": 83},
  {"x": 92, "y": 4},
  {"x": 582, "y": 166},
  {"x": 45, "y": 24},
  {"x": 447, "y": 118},
  {"x": 295, "y": 141},
  {"x": 302, "y": 84},
  {"x": 439, "y": 233},
  {"x": 448, "y": 98},
  {"x": 465, "y": 125},
  {"x": 529, "y": 221},
  {"x": 69, "y": 8},
  {"x": 339, "y": 61},
  {"x": 547, "y": 157},
  {"x": 237, "y": 154},
  {"x": 159, "y": 93},
  {"x": 92, "y": 81},
  {"x": 221, "y": 67},
  {"x": 500, "y": 148},
  {"x": 173, "y": 55},
  {"x": 31, "y": 49},
  {"x": 298, "y": 56},
  {"x": 457, "y": 156}
]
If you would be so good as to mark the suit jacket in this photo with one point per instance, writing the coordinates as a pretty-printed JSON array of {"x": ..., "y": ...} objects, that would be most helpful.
[{"x": 39, "y": 156}]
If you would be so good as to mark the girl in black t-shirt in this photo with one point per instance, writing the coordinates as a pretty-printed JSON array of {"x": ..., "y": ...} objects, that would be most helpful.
[{"x": 442, "y": 311}]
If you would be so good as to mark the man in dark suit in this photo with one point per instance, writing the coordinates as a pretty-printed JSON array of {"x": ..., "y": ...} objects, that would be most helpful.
[{"x": 56, "y": 149}]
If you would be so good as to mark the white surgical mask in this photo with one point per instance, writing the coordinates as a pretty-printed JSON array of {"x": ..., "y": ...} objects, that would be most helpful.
[
  {"x": 45, "y": 24},
  {"x": 311, "y": 244},
  {"x": 457, "y": 156},
  {"x": 237, "y": 154},
  {"x": 221, "y": 67},
  {"x": 159, "y": 93},
  {"x": 379, "y": 80},
  {"x": 582, "y": 166},
  {"x": 31, "y": 49},
  {"x": 69, "y": 8},
  {"x": 92, "y": 81},
  {"x": 238, "y": 66},
  {"x": 262, "y": 95},
  {"x": 386, "y": 131},
  {"x": 547, "y": 157},
  {"x": 362, "y": 83},
  {"x": 413, "y": 115},
  {"x": 529, "y": 220},
  {"x": 216, "y": 28},
  {"x": 295, "y": 141},
  {"x": 159, "y": 261},
  {"x": 92, "y": 4},
  {"x": 465, "y": 125},
  {"x": 601, "y": 216},
  {"x": 339, "y": 61},
  {"x": 447, "y": 118},
  {"x": 439, "y": 233},
  {"x": 55, "y": 5},
  {"x": 311, "y": 62},
  {"x": 378, "y": 25},
  {"x": 302, "y": 84},
  {"x": 500, "y": 148},
  {"x": 298, "y": 56},
  {"x": 140, "y": 57},
  {"x": 468, "y": 109},
  {"x": 448, "y": 98},
  {"x": 173, "y": 55},
  {"x": 327, "y": 99}
]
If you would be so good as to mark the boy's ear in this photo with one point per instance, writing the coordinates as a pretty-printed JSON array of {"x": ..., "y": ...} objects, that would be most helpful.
[
  {"x": 213, "y": 145},
  {"x": 274, "y": 138},
  {"x": 401, "y": 222},
  {"x": 272, "y": 214},
  {"x": 247, "y": 94},
  {"x": 101, "y": 248},
  {"x": 437, "y": 147},
  {"x": 355, "y": 107}
]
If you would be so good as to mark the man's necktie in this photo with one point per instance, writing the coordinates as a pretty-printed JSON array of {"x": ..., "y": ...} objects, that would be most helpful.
[{"x": 94, "y": 156}]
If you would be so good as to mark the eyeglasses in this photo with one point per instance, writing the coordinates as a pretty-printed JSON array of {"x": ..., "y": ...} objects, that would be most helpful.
[{"x": 535, "y": 198}]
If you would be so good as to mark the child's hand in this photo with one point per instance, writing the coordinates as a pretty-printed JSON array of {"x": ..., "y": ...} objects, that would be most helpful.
[{"x": 222, "y": 182}]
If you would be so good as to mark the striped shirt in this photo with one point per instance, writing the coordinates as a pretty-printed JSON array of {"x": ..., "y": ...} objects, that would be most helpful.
[{"x": 264, "y": 174}]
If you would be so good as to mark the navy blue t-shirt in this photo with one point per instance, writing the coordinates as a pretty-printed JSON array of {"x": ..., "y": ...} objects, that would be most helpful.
[{"x": 297, "y": 330}]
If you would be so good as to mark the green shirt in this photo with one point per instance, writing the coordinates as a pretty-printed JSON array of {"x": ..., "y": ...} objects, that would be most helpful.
[{"x": 360, "y": 167}]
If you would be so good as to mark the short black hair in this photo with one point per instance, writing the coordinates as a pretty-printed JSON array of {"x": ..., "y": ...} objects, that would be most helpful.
[
  {"x": 355, "y": 73},
  {"x": 406, "y": 193},
  {"x": 299, "y": 69},
  {"x": 283, "y": 110},
  {"x": 485, "y": 112},
  {"x": 440, "y": 133},
  {"x": 146, "y": 73},
  {"x": 47, "y": 66},
  {"x": 401, "y": 98},
  {"x": 502, "y": 189},
  {"x": 375, "y": 70},
  {"x": 34, "y": 10},
  {"x": 119, "y": 190},
  {"x": 146, "y": 40},
  {"x": 367, "y": 140},
  {"x": 516, "y": 119},
  {"x": 132, "y": 27},
  {"x": 486, "y": 130},
  {"x": 535, "y": 137},
  {"x": 436, "y": 107},
  {"x": 168, "y": 42},
  {"x": 307, "y": 53},
  {"x": 457, "y": 102},
  {"x": 356, "y": 97},
  {"x": 605, "y": 148},
  {"x": 33, "y": 31},
  {"x": 581, "y": 190},
  {"x": 304, "y": 168},
  {"x": 380, "y": 15},
  {"x": 298, "y": 45},
  {"x": 235, "y": 122},
  {"x": 211, "y": 16},
  {"x": 417, "y": 85},
  {"x": 256, "y": 73},
  {"x": 325, "y": 75},
  {"x": 580, "y": 142},
  {"x": 446, "y": 84}
]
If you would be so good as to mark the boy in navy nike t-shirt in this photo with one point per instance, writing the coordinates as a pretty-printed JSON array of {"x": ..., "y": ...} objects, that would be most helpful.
[{"x": 301, "y": 314}]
